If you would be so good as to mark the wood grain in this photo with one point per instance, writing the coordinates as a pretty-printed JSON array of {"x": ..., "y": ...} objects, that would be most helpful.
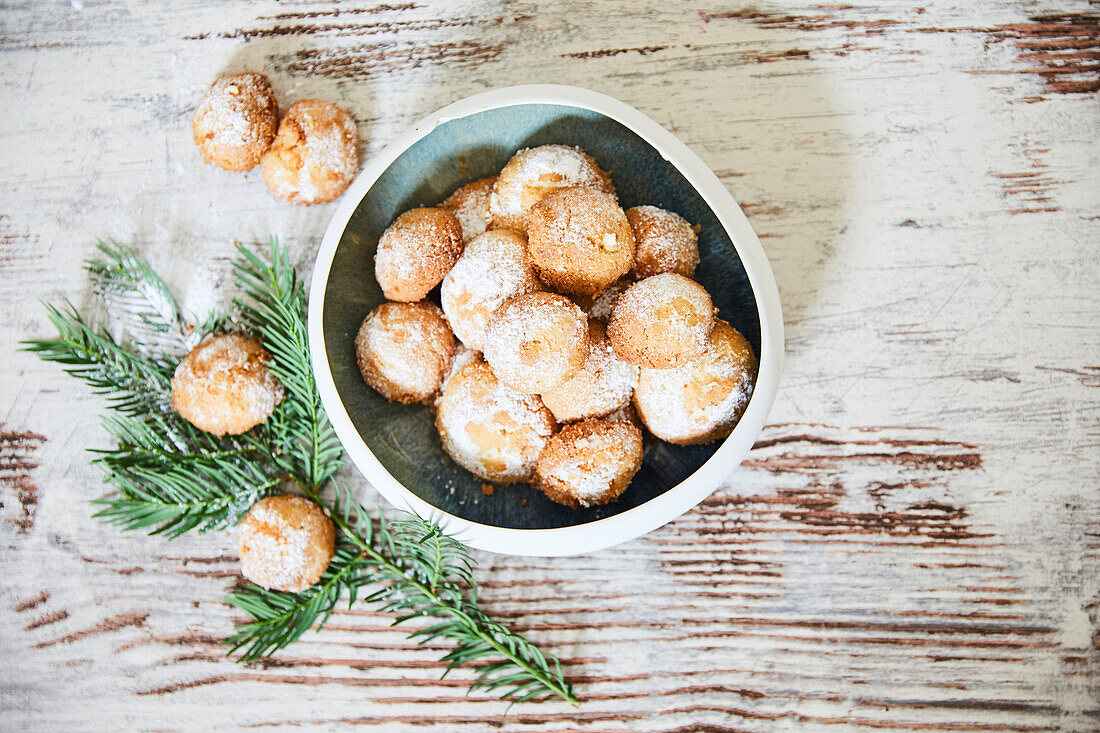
[{"x": 914, "y": 542}]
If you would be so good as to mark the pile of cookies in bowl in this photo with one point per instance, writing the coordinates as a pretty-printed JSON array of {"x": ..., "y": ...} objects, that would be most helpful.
[{"x": 548, "y": 328}]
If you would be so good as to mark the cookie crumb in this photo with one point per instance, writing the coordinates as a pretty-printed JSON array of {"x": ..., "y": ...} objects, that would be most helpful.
[{"x": 487, "y": 489}]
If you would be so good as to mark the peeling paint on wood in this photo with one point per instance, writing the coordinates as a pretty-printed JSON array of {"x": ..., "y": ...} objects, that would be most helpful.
[
  {"x": 31, "y": 603},
  {"x": 604, "y": 53},
  {"x": 106, "y": 626},
  {"x": 362, "y": 62},
  {"x": 18, "y": 492},
  {"x": 1063, "y": 49},
  {"x": 1030, "y": 191}
]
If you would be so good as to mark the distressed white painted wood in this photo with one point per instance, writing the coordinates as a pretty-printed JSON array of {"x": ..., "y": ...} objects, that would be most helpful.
[{"x": 915, "y": 541}]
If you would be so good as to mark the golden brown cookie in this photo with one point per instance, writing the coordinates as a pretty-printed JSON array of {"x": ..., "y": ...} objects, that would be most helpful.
[
  {"x": 589, "y": 463},
  {"x": 661, "y": 322},
  {"x": 536, "y": 341},
  {"x": 602, "y": 385},
  {"x": 235, "y": 122},
  {"x": 534, "y": 172},
  {"x": 665, "y": 242},
  {"x": 702, "y": 400},
  {"x": 285, "y": 543},
  {"x": 492, "y": 269},
  {"x": 579, "y": 241},
  {"x": 224, "y": 386},
  {"x": 416, "y": 251},
  {"x": 470, "y": 205},
  {"x": 490, "y": 429},
  {"x": 315, "y": 156},
  {"x": 404, "y": 350}
]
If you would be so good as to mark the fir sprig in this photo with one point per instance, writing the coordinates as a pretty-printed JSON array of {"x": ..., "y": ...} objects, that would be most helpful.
[
  {"x": 132, "y": 385},
  {"x": 280, "y": 618},
  {"x": 430, "y": 575},
  {"x": 176, "y": 486},
  {"x": 128, "y": 284},
  {"x": 172, "y": 478},
  {"x": 273, "y": 306}
]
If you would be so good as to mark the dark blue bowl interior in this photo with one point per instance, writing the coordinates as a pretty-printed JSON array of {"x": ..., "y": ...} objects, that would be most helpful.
[{"x": 403, "y": 437}]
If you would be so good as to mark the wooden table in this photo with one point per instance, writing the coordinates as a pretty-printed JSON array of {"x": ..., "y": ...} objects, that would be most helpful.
[{"x": 913, "y": 544}]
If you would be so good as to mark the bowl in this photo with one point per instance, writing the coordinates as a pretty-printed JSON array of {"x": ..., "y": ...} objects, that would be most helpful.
[{"x": 397, "y": 448}]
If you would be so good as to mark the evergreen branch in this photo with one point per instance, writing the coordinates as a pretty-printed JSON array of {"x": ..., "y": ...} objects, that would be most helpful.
[
  {"x": 173, "y": 478},
  {"x": 132, "y": 385},
  {"x": 208, "y": 497},
  {"x": 216, "y": 322},
  {"x": 176, "y": 490},
  {"x": 422, "y": 571},
  {"x": 168, "y": 473},
  {"x": 152, "y": 441},
  {"x": 280, "y": 618},
  {"x": 274, "y": 306},
  {"x": 429, "y": 580},
  {"x": 135, "y": 294},
  {"x": 419, "y": 572}
]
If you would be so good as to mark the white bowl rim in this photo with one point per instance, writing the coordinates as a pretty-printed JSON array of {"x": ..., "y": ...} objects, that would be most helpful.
[{"x": 632, "y": 523}]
